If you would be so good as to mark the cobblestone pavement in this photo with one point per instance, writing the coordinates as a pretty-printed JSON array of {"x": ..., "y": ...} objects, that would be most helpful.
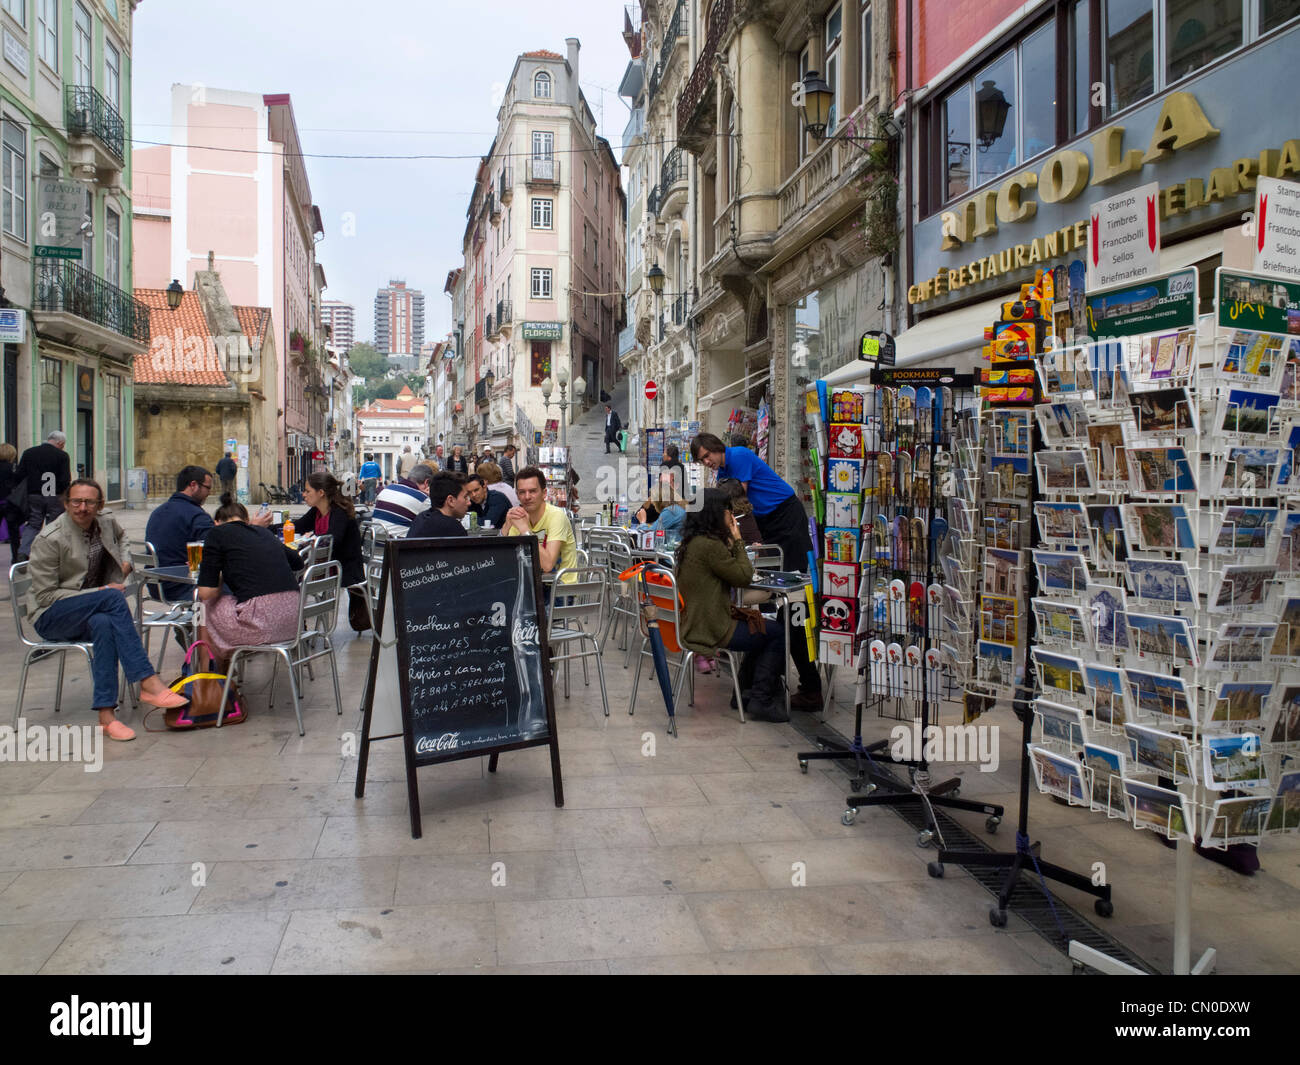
[{"x": 245, "y": 850}]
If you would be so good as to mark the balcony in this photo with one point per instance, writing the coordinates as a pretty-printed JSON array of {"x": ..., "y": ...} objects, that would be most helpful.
[
  {"x": 481, "y": 395},
  {"x": 677, "y": 27},
  {"x": 672, "y": 182},
  {"x": 695, "y": 117},
  {"x": 543, "y": 171},
  {"x": 635, "y": 127},
  {"x": 79, "y": 308},
  {"x": 488, "y": 330},
  {"x": 505, "y": 316},
  {"x": 652, "y": 86},
  {"x": 494, "y": 208},
  {"x": 679, "y": 310},
  {"x": 822, "y": 187},
  {"x": 626, "y": 342},
  {"x": 96, "y": 132},
  {"x": 652, "y": 202},
  {"x": 506, "y": 191}
]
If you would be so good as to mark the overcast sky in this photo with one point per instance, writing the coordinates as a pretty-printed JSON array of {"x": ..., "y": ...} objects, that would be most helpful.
[{"x": 386, "y": 77}]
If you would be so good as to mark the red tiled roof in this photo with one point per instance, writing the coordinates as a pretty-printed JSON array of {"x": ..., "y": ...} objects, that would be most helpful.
[
  {"x": 172, "y": 359},
  {"x": 542, "y": 53}
]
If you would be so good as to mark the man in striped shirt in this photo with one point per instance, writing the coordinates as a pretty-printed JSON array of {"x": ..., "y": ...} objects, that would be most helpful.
[{"x": 403, "y": 501}]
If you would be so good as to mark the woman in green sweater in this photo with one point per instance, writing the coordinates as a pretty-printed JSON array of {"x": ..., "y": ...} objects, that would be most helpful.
[{"x": 710, "y": 562}]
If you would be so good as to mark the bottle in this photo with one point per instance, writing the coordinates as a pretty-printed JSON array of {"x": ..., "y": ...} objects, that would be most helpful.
[
  {"x": 288, "y": 532},
  {"x": 527, "y": 650}
]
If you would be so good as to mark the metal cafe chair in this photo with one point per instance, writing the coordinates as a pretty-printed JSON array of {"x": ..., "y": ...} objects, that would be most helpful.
[
  {"x": 178, "y": 616},
  {"x": 767, "y": 556},
  {"x": 622, "y": 603},
  {"x": 20, "y": 585},
  {"x": 318, "y": 603},
  {"x": 574, "y": 621}
]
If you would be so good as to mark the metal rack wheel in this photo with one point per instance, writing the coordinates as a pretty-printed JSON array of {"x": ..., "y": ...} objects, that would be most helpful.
[
  {"x": 925, "y": 837},
  {"x": 991, "y": 824},
  {"x": 998, "y": 918},
  {"x": 803, "y": 765},
  {"x": 849, "y": 816},
  {"x": 935, "y": 869},
  {"x": 1103, "y": 907}
]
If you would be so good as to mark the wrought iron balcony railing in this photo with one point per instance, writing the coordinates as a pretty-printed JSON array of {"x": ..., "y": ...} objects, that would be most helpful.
[
  {"x": 62, "y": 285},
  {"x": 677, "y": 27},
  {"x": 702, "y": 76},
  {"x": 679, "y": 310},
  {"x": 652, "y": 201},
  {"x": 488, "y": 331},
  {"x": 543, "y": 171},
  {"x": 89, "y": 114},
  {"x": 504, "y": 313},
  {"x": 673, "y": 170},
  {"x": 507, "y": 191}
]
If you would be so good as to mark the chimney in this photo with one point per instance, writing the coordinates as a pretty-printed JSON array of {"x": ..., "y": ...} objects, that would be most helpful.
[{"x": 574, "y": 45}]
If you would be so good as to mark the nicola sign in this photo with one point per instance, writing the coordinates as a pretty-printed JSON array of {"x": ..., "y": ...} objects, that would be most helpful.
[
  {"x": 1124, "y": 237},
  {"x": 1277, "y": 227}
]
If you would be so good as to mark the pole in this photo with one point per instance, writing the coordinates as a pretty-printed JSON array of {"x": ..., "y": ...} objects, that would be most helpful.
[{"x": 1183, "y": 907}]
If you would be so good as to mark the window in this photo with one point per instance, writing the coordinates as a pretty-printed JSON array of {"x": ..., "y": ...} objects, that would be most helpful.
[
  {"x": 1038, "y": 91},
  {"x": 1276, "y": 12},
  {"x": 113, "y": 435},
  {"x": 834, "y": 24},
  {"x": 47, "y": 32},
  {"x": 1130, "y": 51},
  {"x": 1081, "y": 68},
  {"x": 18, "y": 9},
  {"x": 957, "y": 142},
  {"x": 15, "y": 180},
  {"x": 864, "y": 53},
  {"x": 803, "y": 132},
  {"x": 543, "y": 145},
  {"x": 112, "y": 75},
  {"x": 82, "y": 47},
  {"x": 541, "y": 283},
  {"x": 1192, "y": 42},
  {"x": 51, "y": 396},
  {"x": 542, "y": 214},
  {"x": 542, "y": 85},
  {"x": 584, "y": 175},
  {"x": 112, "y": 246}
]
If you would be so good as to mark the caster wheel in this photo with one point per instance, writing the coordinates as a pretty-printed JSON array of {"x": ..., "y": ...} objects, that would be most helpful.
[
  {"x": 955, "y": 792},
  {"x": 849, "y": 816},
  {"x": 1103, "y": 907},
  {"x": 803, "y": 766},
  {"x": 868, "y": 789},
  {"x": 991, "y": 824},
  {"x": 935, "y": 869},
  {"x": 924, "y": 838},
  {"x": 998, "y": 918}
]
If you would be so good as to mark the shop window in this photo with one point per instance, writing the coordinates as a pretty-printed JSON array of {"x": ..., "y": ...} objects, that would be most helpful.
[
  {"x": 540, "y": 368},
  {"x": 1198, "y": 34},
  {"x": 51, "y": 396},
  {"x": 957, "y": 142},
  {"x": 1130, "y": 52},
  {"x": 1038, "y": 91},
  {"x": 1275, "y": 12},
  {"x": 1081, "y": 65}
]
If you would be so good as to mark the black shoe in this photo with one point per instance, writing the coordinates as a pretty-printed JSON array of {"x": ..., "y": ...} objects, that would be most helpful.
[
  {"x": 806, "y": 700},
  {"x": 756, "y": 710}
]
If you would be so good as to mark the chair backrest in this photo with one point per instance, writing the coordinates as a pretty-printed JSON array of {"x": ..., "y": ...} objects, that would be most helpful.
[
  {"x": 20, "y": 585},
  {"x": 657, "y": 587},
  {"x": 619, "y": 555},
  {"x": 142, "y": 558},
  {"x": 321, "y": 548},
  {"x": 318, "y": 597},
  {"x": 578, "y": 601},
  {"x": 767, "y": 556}
]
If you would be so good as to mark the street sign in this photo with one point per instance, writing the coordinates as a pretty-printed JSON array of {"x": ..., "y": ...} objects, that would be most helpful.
[
  {"x": 13, "y": 325},
  {"x": 1277, "y": 227},
  {"x": 61, "y": 211},
  {"x": 1124, "y": 237},
  {"x": 651, "y": 390}
]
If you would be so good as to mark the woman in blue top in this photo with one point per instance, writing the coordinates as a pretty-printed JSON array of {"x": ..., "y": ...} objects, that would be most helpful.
[
  {"x": 664, "y": 512},
  {"x": 781, "y": 519}
]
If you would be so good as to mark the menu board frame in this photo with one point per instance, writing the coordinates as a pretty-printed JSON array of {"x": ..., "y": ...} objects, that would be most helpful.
[{"x": 388, "y": 636}]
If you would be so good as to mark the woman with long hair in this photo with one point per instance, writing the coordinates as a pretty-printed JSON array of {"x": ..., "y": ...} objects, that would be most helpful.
[
  {"x": 262, "y": 606},
  {"x": 332, "y": 514},
  {"x": 13, "y": 516},
  {"x": 710, "y": 562}
]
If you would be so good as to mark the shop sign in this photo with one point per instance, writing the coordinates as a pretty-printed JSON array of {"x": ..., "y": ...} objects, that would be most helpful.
[
  {"x": 876, "y": 346},
  {"x": 13, "y": 325},
  {"x": 1261, "y": 304},
  {"x": 542, "y": 330},
  {"x": 1154, "y": 305},
  {"x": 1277, "y": 227},
  {"x": 1124, "y": 237},
  {"x": 61, "y": 209},
  {"x": 922, "y": 375}
]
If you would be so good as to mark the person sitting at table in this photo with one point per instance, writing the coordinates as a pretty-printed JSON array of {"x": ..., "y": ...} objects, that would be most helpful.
[
  {"x": 403, "y": 501},
  {"x": 78, "y": 564},
  {"x": 535, "y": 515},
  {"x": 448, "y": 504},
  {"x": 332, "y": 514},
  {"x": 489, "y": 507},
  {"x": 711, "y": 561},
  {"x": 495, "y": 479},
  {"x": 741, "y": 507},
  {"x": 259, "y": 571},
  {"x": 666, "y": 510}
]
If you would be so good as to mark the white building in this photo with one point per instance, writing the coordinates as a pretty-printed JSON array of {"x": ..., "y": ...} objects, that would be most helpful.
[
  {"x": 387, "y": 426},
  {"x": 342, "y": 321}
]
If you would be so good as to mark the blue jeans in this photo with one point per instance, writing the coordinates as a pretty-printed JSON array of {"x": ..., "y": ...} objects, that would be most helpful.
[{"x": 104, "y": 618}]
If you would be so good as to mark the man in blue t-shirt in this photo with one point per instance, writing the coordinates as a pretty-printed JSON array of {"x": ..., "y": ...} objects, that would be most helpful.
[
  {"x": 369, "y": 475},
  {"x": 781, "y": 519}
]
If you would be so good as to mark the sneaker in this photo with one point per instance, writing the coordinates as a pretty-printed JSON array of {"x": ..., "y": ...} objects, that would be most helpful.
[{"x": 806, "y": 700}]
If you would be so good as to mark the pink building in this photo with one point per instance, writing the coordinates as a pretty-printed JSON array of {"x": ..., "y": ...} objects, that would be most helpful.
[{"x": 234, "y": 185}]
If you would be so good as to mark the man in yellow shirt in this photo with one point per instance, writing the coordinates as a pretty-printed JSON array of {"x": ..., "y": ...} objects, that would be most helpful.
[{"x": 550, "y": 523}]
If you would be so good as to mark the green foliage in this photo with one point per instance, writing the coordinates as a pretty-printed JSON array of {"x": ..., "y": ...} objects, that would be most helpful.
[
  {"x": 880, "y": 213},
  {"x": 366, "y": 361}
]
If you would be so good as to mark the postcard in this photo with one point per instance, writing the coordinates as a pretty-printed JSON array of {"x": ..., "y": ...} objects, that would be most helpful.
[
  {"x": 1246, "y": 413},
  {"x": 1166, "y": 410},
  {"x": 1106, "y": 768},
  {"x": 1288, "y": 552},
  {"x": 1239, "y": 703},
  {"x": 1002, "y": 571},
  {"x": 1060, "y": 724},
  {"x": 1242, "y": 588},
  {"x": 1063, "y": 522},
  {"x": 845, "y": 441},
  {"x": 1286, "y": 640},
  {"x": 1244, "y": 530},
  {"x": 1162, "y": 362},
  {"x": 1003, "y": 527},
  {"x": 1106, "y": 442},
  {"x": 1241, "y": 645},
  {"x": 1062, "y": 674},
  {"x": 844, "y": 475},
  {"x": 1241, "y": 820},
  {"x": 1161, "y": 580},
  {"x": 1158, "y": 694},
  {"x": 1160, "y": 469},
  {"x": 1250, "y": 470},
  {"x": 1161, "y": 526},
  {"x": 994, "y": 664},
  {"x": 843, "y": 509},
  {"x": 1008, "y": 477},
  {"x": 1232, "y": 762},
  {"x": 1061, "y": 571},
  {"x": 1161, "y": 637},
  {"x": 1060, "y": 622},
  {"x": 1011, "y": 432},
  {"x": 1158, "y": 809},
  {"x": 841, "y": 545},
  {"x": 1106, "y": 613},
  {"x": 998, "y": 618},
  {"x": 1285, "y": 812},
  {"x": 1063, "y": 471},
  {"x": 1252, "y": 357},
  {"x": 1286, "y": 717},
  {"x": 1106, "y": 686},
  {"x": 848, "y": 406},
  {"x": 1108, "y": 540},
  {"x": 1166, "y": 753},
  {"x": 1071, "y": 418},
  {"x": 1057, "y": 774},
  {"x": 841, "y": 579}
]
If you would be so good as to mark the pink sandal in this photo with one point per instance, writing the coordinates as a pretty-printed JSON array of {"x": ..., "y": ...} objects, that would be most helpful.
[{"x": 704, "y": 664}]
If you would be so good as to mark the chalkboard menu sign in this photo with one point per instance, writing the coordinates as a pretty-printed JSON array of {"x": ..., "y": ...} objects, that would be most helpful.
[{"x": 463, "y": 626}]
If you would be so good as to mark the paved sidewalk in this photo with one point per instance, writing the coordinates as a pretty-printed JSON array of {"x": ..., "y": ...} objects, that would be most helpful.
[{"x": 244, "y": 850}]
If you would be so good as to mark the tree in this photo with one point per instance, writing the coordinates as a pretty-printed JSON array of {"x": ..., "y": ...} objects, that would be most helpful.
[{"x": 366, "y": 361}]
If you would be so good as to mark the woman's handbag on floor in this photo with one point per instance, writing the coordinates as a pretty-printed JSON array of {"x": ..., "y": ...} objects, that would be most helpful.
[{"x": 203, "y": 688}]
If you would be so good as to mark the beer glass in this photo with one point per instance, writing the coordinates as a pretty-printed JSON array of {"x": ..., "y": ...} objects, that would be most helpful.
[{"x": 194, "y": 555}]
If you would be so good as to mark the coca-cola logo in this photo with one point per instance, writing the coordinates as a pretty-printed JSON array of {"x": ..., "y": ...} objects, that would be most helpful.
[
  {"x": 448, "y": 741},
  {"x": 525, "y": 633}
]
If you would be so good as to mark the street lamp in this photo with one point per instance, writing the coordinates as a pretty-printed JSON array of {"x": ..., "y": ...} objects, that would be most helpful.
[
  {"x": 174, "y": 294},
  {"x": 819, "y": 102},
  {"x": 548, "y": 387}
]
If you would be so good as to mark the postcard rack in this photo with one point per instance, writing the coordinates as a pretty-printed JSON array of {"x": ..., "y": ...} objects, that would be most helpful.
[{"x": 891, "y": 463}]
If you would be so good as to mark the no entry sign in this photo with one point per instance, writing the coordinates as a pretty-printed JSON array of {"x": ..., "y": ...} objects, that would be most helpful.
[{"x": 651, "y": 390}]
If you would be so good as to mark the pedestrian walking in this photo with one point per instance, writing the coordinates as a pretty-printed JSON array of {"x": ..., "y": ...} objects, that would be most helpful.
[
  {"x": 508, "y": 465},
  {"x": 227, "y": 471},
  {"x": 406, "y": 463},
  {"x": 46, "y": 473},
  {"x": 369, "y": 475},
  {"x": 612, "y": 426}
]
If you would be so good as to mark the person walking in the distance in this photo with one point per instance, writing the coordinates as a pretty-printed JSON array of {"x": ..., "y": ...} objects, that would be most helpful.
[
  {"x": 47, "y": 473},
  {"x": 227, "y": 471},
  {"x": 612, "y": 426},
  {"x": 508, "y": 465},
  {"x": 406, "y": 463},
  {"x": 10, "y": 512}
]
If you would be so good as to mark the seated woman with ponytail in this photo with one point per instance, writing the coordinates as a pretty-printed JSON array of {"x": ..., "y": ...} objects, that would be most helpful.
[
  {"x": 259, "y": 571},
  {"x": 332, "y": 514}
]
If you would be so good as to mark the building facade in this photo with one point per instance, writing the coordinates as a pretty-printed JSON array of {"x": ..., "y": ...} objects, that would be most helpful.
[
  {"x": 635, "y": 337},
  {"x": 542, "y": 274},
  {"x": 399, "y": 323},
  {"x": 233, "y": 185},
  {"x": 73, "y": 327},
  {"x": 341, "y": 320},
  {"x": 385, "y": 427}
]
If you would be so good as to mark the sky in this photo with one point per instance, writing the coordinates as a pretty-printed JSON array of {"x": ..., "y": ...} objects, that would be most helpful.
[{"x": 411, "y": 78}]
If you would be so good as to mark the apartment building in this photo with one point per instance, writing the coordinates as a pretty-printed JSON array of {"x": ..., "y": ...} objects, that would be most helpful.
[
  {"x": 341, "y": 320},
  {"x": 399, "y": 323},
  {"x": 69, "y": 323},
  {"x": 233, "y": 184},
  {"x": 633, "y": 344}
]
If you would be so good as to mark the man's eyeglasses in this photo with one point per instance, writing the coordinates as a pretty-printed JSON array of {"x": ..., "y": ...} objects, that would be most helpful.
[{"x": 82, "y": 504}]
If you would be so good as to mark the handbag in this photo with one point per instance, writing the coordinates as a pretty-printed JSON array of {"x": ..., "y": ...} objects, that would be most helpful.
[
  {"x": 18, "y": 496},
  {"x": 203, "y": 688},
  {"x": 751, "y": 617}
]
